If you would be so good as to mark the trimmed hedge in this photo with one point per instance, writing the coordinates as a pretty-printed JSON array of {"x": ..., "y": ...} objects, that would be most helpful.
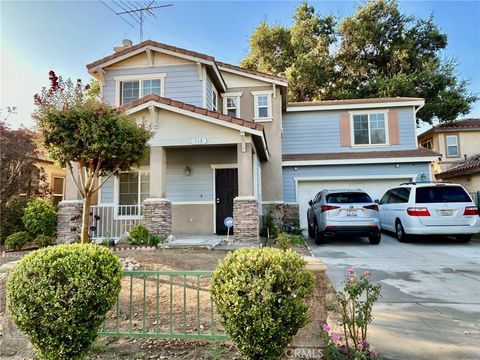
[
  {"x": 260, "y": 295},
  {"x": 17, "y": 240},
  {"x": 59, "y": 296},
  {"x": 40, "y": 217}
]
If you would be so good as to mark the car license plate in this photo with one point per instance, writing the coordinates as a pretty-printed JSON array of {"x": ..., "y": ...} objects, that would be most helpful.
[
  {"x": 351, "y": 213},
  {"x": 446, "y": 212}
]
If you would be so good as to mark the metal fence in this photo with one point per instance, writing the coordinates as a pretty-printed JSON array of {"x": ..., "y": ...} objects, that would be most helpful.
[
  {"x": 164, "y": 304},
  {"x": 112, "y": 221}
]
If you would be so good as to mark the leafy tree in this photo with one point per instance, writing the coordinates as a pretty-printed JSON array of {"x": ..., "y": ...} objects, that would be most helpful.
[
  {"x": 301, "y": 53},
  {"x": 376, "y": 52},
  {"x": 91, "y": 139}
]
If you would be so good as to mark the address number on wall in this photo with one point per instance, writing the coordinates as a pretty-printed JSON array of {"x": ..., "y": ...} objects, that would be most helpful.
[{"x": 198, "y": 141}]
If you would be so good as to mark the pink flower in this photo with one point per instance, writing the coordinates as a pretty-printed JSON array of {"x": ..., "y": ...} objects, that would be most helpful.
[
  {"x": 366, "y": 273},
  {"x": 335, "y": 337},
  {"x": 360, "y": 346},
  {"x": 326, "y": 327},
  {"x": 351, "y": 271},
  {"x": 365, "y": 342}
]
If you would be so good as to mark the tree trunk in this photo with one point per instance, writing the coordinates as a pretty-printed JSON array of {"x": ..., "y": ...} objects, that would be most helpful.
[{"x": 84, "y": 239}]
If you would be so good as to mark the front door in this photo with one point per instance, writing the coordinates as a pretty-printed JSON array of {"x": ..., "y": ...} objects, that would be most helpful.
[{"x": 226, "y": 189}]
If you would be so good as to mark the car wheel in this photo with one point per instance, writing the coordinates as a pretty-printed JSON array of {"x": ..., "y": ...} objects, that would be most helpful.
[
  {"x": 311, "y": 233},
  {"x": 319, "y": 238},
  {"x": 375, "y": 239},
  {"x": 463, "y": 238},
  {"x": 400, "y": 232}
]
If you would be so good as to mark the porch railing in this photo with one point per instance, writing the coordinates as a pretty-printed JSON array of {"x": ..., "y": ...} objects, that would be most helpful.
[
  {"x": 164, "y": 304},
  {"x": 113, "y": 221}
]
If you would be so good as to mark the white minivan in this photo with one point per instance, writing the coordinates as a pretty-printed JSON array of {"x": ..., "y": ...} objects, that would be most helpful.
[{"x": 432, "y": 208}]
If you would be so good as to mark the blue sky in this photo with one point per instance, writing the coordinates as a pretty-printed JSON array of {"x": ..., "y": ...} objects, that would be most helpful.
[{"x": 37, "y": 36}]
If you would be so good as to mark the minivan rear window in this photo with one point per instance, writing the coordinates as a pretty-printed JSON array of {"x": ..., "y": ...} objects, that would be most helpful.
[
  {"x": 348, "y": 198},
  {"x": 441, "y": 194}
]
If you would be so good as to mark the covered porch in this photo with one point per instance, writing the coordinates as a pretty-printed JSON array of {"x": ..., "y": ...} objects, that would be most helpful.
[{"x": 202, "y": 167}]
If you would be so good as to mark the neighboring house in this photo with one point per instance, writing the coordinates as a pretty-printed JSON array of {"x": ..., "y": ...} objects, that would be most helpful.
[
  {"x": 458, "y": 143},
  {"x": 227, "y": 143},
  {"x": 54, "y": 177}
]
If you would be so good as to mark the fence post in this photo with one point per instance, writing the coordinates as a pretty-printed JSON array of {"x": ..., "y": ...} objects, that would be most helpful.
[{"x": 308, "y": 342}]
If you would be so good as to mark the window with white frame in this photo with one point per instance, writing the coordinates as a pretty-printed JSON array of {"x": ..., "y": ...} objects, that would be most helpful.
[
  {"x": 231, "y": 106},
  {"x": 133, "y": 189},
  {"x": 214, "y": 99},
  {"x": 452, "y": 145},
  {"x": 58, "y": 189},
  {"x": 263, "y": 105},
  {"x": 131, "y": 88},
  {"x": 369, "y": 129}
]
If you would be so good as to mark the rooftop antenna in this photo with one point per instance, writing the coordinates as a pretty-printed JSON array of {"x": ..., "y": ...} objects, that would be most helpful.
[{"x": 140, "y": 12}]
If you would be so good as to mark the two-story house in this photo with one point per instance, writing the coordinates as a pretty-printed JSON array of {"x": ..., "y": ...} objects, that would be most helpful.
[
  {"x": 458, "y": 143},
  {"x": 226, "y": 143}
]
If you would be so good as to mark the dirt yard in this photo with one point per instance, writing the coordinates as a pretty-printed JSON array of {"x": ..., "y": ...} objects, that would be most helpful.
[{"x": 156, "y": 316}]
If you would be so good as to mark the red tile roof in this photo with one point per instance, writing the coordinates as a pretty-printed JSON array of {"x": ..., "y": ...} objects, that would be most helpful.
[
  {"x": 194, "y": 109},
  {"x": 151, "y": 43},
  {"x": 420, "y": 152},
  {"x": 252, "y": 72},
  {"x": 464, "y": 124},
  {"x": 470, "y": 167},
  {"x": 354, "y": 101}
]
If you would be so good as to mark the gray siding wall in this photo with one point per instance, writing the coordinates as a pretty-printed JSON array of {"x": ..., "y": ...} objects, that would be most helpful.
[
  {"x": 182, "y": 82},
  {"x": 196, "y": 187},
  {"x": 106, "y": 192},
  {"x": 319, "y": 131},
  {"x": 289, "y": 173}
]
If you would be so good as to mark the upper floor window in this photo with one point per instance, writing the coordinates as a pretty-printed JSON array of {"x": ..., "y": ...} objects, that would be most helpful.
[
  {"x": 131, "y": 87},
  {"x": 214, "y": 99},
  {"x": 263, "y": 105},
  {"x": 452, "y": 145},
  {"x": 231, "y": 104},
  {"x": 369, "y": 129},
  {"x": 428, "y": 144}
]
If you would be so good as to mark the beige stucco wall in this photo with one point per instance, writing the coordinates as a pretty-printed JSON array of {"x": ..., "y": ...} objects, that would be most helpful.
[
  {"x": 192, "y": 218},
  {"x": 469, "y": 182},
  {"x": 142, "y": 60},
  {"x": 469, "y": 143},
  {"x": 272, "y": 186}
]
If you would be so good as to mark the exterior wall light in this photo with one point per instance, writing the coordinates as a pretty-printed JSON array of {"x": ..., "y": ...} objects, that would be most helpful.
[{"x": 188, "y": 171}]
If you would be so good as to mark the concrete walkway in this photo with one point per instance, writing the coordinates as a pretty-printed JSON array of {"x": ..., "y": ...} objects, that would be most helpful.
[{"x": 430, "y": 305}]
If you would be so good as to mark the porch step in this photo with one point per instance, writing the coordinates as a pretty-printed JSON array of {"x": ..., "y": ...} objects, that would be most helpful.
[{"x": 192, "y": 241}]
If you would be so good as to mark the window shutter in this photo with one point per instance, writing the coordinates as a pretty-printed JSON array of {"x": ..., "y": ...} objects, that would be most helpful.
[
  {"x": 345, "y": 138},
  {"x": 393, "y": 131}
]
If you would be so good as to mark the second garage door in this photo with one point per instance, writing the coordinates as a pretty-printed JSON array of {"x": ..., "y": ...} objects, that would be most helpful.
[{"x": 373, "y": 187}]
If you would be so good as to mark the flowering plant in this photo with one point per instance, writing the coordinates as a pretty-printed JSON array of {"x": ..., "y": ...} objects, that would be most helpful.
[{"x": 355, "y": 308}]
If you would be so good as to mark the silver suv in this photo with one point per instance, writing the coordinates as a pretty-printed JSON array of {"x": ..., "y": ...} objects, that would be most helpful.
[{"x": 343, "y": 212}]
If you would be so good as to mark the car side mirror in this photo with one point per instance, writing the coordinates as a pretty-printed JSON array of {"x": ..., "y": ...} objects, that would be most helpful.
[
  {"x": 377, "y": 201},
  {"x": 310, "y": 202}
]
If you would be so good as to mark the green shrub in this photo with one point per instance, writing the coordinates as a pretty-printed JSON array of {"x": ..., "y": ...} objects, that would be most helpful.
[
  {"x": 40, "y": 217},
  {"x": 286, "y": 240},
  {"x": 59, "y": 297},
  {"x": 260, "y": 295},
  {"x": 154, "y": 240},
  {"x": 138, "y": 235},
  {"x": 17, "y": 240},
  {"x": 11, "y": 218},
  {"x": 43, "y": 241}
]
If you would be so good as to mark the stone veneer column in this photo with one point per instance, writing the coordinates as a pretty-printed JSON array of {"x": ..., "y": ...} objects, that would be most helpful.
[
  {"x": 69, "y": 220},
  {"x": 157, "y": 216},
  {"x": 291, "y": 214},
  {"x": 245, "y": 218}
]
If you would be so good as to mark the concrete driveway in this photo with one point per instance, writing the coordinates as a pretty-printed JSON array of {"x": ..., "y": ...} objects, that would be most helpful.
[{"x": 430, "y": 305}]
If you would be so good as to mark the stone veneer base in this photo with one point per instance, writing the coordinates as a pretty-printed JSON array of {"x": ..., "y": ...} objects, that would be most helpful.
[
  {"x": 245, "y": 219},
  {"x": 69, "y": 221},
  {"x": 157, "y": 216}
]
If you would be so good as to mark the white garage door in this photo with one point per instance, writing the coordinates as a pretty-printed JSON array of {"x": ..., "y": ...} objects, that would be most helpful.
[{"x": 373, "y": 187}]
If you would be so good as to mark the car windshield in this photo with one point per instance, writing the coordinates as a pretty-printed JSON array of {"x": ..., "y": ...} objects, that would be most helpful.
[
  {"x": 348, "y": 198},
  {"x": 441, "y": 194}
]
